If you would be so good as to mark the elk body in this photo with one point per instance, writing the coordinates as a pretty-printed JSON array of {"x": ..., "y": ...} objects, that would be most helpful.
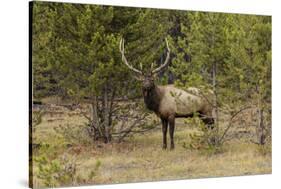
[{"x": 169, "y": 102}]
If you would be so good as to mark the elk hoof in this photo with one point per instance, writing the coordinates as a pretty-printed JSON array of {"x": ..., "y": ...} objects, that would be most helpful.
[
  {"x": 164, "y": 147},
  {"x": 172, "y": 147}
]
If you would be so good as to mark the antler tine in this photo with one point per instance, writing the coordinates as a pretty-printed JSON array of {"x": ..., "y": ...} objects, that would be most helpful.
[
  {"x": 152, "y": 65},
  {"x": 120, "y": 45},
  {"x": 159, "y": 69},
  {"x": 122, "y": 50}
]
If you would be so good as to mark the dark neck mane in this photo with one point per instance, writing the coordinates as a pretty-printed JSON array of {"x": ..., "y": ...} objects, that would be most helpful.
[{"x": 152, "y": 100}]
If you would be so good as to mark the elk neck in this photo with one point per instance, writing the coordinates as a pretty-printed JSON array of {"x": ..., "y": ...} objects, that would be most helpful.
[{"x": 152, "y": 98}]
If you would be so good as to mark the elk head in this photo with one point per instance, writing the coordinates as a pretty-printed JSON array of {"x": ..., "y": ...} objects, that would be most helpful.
[{"x": 148, "y": 77}]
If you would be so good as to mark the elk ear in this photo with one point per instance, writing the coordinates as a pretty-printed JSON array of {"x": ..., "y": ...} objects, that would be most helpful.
[
  {"x": 139, "y": 77},
  {"x": 154, "y": 75}
]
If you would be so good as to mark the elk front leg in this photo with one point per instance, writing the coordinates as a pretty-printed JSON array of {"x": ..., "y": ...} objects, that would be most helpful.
[
  {"x": 171, "y": 131},
  {"x": 164, "y": 131}
]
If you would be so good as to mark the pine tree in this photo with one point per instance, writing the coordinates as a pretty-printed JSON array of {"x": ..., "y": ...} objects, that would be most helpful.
[
  {"x": 201, "y": 54},
  {"x": 42, "y": 50},
  {"x": 250, "y": 47},
  {"x": 86, "y": 62},
  {"x": 76, "y": 56}
]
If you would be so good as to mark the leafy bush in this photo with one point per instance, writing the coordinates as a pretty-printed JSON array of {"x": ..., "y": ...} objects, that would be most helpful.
[
  {"x": 206, "y": 140},
  {"x": 56, "y": 172},
  {"x": 55, "y": 166}
]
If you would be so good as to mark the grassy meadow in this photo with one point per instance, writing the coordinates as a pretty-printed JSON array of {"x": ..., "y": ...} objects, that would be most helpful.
[{"x": 67, "y": 155}]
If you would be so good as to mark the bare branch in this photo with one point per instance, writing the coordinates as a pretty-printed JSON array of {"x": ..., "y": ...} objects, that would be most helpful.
[{"x": 230, "y": 124}]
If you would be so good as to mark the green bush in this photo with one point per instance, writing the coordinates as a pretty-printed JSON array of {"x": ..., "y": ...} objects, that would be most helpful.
[
  {"x": 206, "y": 140},
  {"x": 56, "y": 172}
]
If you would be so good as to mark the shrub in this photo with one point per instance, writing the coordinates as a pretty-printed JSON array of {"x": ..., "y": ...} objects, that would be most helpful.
[
  {"x": 56, "y": 172},
  {"x": 74, "y": 134},
  {"x": 206, "y": 140}
]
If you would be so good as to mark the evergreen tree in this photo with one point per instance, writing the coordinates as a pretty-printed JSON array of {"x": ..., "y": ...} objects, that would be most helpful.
[
  {"x": 42, "y": 50},
  {"x": 86, "y": 62},
  {"x": 201, "y": 54},
  {"x": 250, "y": 48},
  {"x": 76, "y": 55}
]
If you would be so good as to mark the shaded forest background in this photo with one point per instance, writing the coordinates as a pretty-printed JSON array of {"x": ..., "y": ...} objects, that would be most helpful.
[
  {"x": 75, "y": 59},
  {"x": 75, "y": 56}
]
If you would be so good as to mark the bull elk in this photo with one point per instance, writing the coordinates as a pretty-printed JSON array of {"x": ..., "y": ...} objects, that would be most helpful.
[{"x": 169, "y": 102}]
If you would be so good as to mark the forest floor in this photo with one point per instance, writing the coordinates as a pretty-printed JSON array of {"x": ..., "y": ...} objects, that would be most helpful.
[{"x": 138, "y": 158}]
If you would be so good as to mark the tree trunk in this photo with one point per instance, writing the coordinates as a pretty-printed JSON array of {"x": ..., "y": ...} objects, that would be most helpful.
[
  {"x": 215, "y": 102},
  {"x": 261, "y": 127},
  {"x": 106, "y": 115},
  {"x": 97, "y": 132},
  {"x": 111, "y": 106}
]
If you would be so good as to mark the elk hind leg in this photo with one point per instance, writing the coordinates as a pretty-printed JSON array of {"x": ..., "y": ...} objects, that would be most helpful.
[
  {"x": 164, "y": 131},
  {"x": 171, "y": 130}
]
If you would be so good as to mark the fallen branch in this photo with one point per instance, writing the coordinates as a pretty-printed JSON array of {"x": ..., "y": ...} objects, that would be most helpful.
[{"x": 230, "y": 121}]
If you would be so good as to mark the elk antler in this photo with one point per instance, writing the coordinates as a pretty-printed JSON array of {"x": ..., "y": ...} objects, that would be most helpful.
[
  {"x": 159, "y": 69},
  {"x": 122, "y": 50}
]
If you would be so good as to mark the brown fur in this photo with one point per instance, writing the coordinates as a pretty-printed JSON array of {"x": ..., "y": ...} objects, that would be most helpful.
[{"x": 169, "y": 102}]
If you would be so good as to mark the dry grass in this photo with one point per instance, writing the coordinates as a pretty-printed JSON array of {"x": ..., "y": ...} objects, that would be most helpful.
[
  {"x": 141, "y": 158},
  {"x": 145, "y": 161}
]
